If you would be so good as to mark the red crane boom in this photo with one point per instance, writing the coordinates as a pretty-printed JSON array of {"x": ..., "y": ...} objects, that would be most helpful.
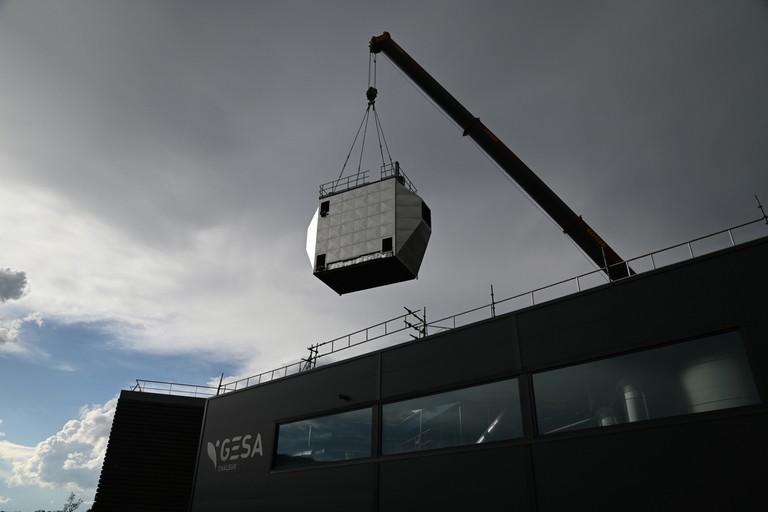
[{"x": 572, "y": 225}]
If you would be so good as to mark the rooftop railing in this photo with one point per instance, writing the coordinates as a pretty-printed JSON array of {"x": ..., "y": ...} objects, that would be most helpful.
[
  {"x": 394, "y": 169},
  {"x": 173, "y": 388},
  {"x": 414, "y": 324},
  {"x": 345, "y": 183},
  {"x": 361, "y": 178}
]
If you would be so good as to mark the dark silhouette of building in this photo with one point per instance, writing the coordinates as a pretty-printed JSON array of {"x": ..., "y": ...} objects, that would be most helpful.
[
  {"x": 150, "y": 459},
  {"x": 646, "y": 393}
]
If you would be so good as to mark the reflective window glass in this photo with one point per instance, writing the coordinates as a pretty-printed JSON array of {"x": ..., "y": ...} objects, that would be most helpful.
[
  {"x": 343, "y": 436},
  {"x": 478, "y": 414},
  {"x": 702, "y": 375}
]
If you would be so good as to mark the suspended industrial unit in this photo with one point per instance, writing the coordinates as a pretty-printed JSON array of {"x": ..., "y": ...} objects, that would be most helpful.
[
  {"x": 369, "y": 231},
  {"x": 368, "y": 234}
]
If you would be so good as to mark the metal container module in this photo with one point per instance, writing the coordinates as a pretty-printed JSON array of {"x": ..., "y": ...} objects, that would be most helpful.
[{"x": 368, "y": 234}]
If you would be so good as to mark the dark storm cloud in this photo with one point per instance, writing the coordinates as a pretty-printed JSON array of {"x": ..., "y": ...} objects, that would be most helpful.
[
  {"x": 172, "y": 103},
  {"x": 187, "y": 112},
  {"x": 12, "y": 284},
  {"x": 167, "y": 119}
]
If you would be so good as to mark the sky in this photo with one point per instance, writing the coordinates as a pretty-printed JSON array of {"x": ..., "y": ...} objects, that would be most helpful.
[{"x": 160, "y": 164}]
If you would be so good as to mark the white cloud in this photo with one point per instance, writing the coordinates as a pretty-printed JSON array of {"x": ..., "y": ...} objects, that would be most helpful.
[
  {"x": 72, "y": 458},
  {"x": 9, "y": 330},
  {"x": 14, "y": 452},
  {"x": 10, "y": 327},
  {"x": 205, "y": 291},
  {"x": 4, "y": 500}
]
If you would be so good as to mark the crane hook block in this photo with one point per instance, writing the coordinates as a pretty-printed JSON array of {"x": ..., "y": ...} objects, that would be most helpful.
[{"x": 371, "y": 95}]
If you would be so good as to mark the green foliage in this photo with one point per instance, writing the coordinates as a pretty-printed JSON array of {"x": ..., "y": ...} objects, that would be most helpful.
[{"x": 72, "y": 503}]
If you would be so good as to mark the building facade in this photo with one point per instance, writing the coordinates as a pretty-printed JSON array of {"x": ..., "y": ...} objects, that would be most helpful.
[
  {"x": 648, "y": 393},
  {"x": 643, "y": 394}
]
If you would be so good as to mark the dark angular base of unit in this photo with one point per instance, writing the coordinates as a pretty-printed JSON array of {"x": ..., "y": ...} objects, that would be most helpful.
[{"x": 365, "y": 275}]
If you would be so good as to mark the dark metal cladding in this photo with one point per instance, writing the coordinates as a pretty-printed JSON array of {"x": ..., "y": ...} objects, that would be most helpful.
[
  {"x": 150, "y": 460},
  {"x": 716, "y": 296},
  {"x": 572, "y": 225}
]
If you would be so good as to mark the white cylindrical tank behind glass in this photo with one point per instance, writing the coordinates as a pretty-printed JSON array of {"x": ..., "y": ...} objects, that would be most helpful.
[
  {"x": 718, "y": 382},
  {"x": 633, "y": 398}
]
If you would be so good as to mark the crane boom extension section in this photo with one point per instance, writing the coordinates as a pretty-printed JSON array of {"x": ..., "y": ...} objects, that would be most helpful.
[{"x": 572, "y": 225}]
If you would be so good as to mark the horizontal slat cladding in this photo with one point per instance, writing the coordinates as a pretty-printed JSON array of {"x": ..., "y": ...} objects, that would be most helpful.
[{"x": 150, "y": 459}]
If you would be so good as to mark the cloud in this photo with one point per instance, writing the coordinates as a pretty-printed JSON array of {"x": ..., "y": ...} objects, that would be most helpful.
[
  {"x": 180, "y": 229},
  {"x": 202, "y": 293},
  {"x": 9, "y": 330},
  {"x": 10, "y": 327},
  {"x": 14, "y": 452},
  {"x": 72, "y": 458},
  {"x": 4, "y": 500},
  {"x": 12, "y": 284},
  {"x": 10, "y": 454}
]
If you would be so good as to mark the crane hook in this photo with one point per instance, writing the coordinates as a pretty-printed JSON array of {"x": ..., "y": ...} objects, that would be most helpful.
[{"x": 371, "y": 95}]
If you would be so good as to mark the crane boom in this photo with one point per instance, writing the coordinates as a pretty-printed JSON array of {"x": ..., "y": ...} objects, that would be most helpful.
[{"x": 572, "y": 225}]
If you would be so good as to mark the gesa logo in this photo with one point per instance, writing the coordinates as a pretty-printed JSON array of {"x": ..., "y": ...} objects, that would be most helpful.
[{"x": 223, "y": 453}]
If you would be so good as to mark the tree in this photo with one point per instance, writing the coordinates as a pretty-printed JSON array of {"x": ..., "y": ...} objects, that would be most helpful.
[{"x": 72, "y": 503}]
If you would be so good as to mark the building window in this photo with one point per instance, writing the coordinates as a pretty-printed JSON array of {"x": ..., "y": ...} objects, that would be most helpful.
[
  {"x": 479, "y": 414},
  {"x": 325, "y": 208},
  {"x": 706, "y": 374},
  {"x": 343, "y": 436}
]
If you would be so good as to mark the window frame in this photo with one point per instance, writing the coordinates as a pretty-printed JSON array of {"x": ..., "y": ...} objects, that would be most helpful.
[
  {"x": 521, "y": 389},
  {"x": 372, "y": 452},
  {"x": 747, "y": 365}
]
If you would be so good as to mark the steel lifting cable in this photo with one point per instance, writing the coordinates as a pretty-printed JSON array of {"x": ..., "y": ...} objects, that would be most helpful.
[
  {"x": 380, "y": 134},
  {"x": 370, "y": 94},
  {"x": 364, "y": 121},
  {"x": 362, "y": 142},
  {"x": 379, "y": 128}
]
